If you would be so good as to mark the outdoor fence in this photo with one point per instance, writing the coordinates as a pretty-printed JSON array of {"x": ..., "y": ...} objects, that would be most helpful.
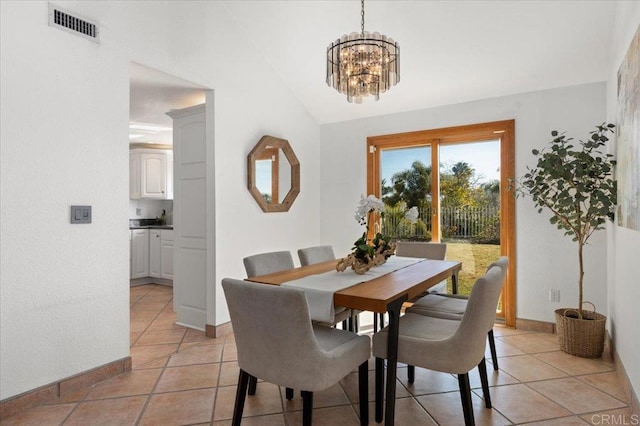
[{"x": 480, "y": 223}]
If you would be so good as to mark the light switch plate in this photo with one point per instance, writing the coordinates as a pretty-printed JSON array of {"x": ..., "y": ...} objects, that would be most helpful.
[{"x": 80, "y": 214}]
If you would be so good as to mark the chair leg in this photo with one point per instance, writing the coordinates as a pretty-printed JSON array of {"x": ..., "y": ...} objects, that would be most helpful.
[
  {"x": 288, "y": 393},
  {"x": 411, "y": 373},
  {"x": 379, "y": 389},
  {"x": 465, "y": 395},
  {"x": 253, "y": 383},
  {"x": 241, "y": 393},
  {"x": 492, "y": 346},
  {"x": 345, "y": 325},
  {"x": 482, "y": 368},
  {"x": 307, "y": 408},
  {"x": 375, "y": 323},
  {"x": 381, "y": 321},
  {"x": 356, "y": 324},
  {"x": 363, "y": 385}
]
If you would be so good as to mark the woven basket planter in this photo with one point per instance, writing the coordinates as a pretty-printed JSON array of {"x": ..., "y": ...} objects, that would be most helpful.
[{"x": 581, "y": 337}]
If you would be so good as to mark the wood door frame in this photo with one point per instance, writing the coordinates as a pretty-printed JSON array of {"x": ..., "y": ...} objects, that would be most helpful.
[{"x": 503, "y": 130}]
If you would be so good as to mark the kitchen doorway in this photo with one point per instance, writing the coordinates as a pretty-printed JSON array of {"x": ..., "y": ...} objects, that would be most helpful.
[{"x": 152, "y": 95}]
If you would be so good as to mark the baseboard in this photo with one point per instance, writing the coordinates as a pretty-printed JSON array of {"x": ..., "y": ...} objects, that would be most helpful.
[
  {"x": 50, "y": 393},
  {"x": 533, "y": 325},
  {"x": 626, "y": 383},
  {"x": 218, "y": 330},
  {"x": 150, "y": 280}
]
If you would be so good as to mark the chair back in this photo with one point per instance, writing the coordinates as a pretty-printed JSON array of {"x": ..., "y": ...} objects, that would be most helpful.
[
  {"x": 502, "y": 262},
  {"x": 317, "y": 254},
  {"x": 271, "y": 344},
  {"x": 479, "y": 315},
  {"x": 267, "y": 263},
  {"x": 435, "y": 251}
]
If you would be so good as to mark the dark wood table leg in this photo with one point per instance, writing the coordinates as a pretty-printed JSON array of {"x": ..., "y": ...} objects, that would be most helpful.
[
  {"x": 393, "y": 309},
  {"x": 454, "y": 283}
]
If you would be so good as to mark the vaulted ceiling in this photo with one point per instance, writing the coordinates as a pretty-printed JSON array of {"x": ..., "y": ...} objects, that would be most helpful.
[{"x": 451, "y": 51}]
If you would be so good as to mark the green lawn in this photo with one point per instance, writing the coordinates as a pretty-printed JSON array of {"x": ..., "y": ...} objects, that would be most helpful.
[{"x": 474, "y": 257}]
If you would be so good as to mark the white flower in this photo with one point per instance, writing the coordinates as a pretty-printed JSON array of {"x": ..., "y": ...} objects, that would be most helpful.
[
  {"x": 368, "y": 205},
  {"x": 411, "y": 215}
]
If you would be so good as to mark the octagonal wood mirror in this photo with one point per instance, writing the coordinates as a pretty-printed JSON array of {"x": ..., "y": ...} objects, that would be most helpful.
[{"x": 273, "y": 174}]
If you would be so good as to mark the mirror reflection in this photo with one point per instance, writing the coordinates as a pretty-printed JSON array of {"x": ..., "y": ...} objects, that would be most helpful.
[{"x": 273, "y": 174}]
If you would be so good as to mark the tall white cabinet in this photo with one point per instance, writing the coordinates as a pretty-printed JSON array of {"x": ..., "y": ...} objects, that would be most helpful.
[{"x": 191, "y": 296}]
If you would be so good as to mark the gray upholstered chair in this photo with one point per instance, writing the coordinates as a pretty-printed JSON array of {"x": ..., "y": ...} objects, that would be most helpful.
[
  {"x": 426, "y": 250},
  {"x": 266, "y": 263},
  {"x": 318, "y": 254},
  {"x": 262, "y": 264},
  {"x": 452, "y": 306},
  {"x": 436, "y": 251},
  {"x": 445, "y": 345},
  {"x": 294, "y": 354}
]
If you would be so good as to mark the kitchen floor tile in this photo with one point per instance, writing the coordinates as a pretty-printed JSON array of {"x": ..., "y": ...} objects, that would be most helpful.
[
  {"x": 607, "y": 382},
  {"x": 197, "y": 354},
  {"x": 188, "y": 377},
  {"x": 531, "y": 342},
  {"x": 267, "y": 400},
  {"x": 179, "y": 408},
  {"x": 138, "y": 382},
  {"x": 160, "y": 337},
  {"x": 573, "y": 365},
  {"x": 44, "y": 415},
  {"x": 330, "y": 397},
  {"x": 520, "y": 404},
  {"x": 446, "y": 409},
  {"x": 527, "y": 368},
  {"x": 576, "y": 396},
  {"x": 332, "y": 416},
  {"x": 119, "y": 411}
]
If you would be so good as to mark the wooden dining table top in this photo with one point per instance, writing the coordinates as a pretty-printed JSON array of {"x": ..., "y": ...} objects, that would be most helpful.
[{"x": 375, "y": 294}]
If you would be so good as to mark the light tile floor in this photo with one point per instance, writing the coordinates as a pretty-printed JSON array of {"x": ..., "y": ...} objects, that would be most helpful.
[{"x": 181, "y": 377}]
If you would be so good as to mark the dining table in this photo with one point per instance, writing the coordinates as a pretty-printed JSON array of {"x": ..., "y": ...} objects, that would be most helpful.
[{"x": 377, "y": 293}]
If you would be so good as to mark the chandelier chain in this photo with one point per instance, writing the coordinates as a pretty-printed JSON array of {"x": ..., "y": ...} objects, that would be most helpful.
[{"x": 362, "y": 16}]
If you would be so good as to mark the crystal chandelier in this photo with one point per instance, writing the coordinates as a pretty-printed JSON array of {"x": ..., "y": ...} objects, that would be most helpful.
[{"x": 363, "y": 64}]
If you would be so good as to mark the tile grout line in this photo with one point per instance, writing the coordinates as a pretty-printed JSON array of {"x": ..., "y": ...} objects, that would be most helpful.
[{"x": 152, "y": 392}]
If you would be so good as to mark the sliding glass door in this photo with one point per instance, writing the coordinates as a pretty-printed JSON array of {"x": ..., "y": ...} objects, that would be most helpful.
[{"x": 458, "y": 180}]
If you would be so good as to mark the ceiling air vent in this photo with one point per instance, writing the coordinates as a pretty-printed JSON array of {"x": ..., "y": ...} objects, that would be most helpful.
[{"x": 77, "y": 25}]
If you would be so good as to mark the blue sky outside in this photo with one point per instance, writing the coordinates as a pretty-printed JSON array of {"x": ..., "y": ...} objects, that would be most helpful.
[{"x": 483, "y": 156}]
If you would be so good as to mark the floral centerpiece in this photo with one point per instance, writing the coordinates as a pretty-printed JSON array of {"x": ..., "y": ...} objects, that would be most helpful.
[{"x": 375, "y": 251}]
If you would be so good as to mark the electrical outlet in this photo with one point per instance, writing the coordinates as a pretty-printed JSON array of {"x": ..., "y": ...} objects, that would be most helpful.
[
  {"x": 554, "y": 295},
  {"x": 138, "y": 211}
]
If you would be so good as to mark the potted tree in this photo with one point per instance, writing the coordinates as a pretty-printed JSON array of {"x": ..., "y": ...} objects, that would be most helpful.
[{"x": 576, "y": 184}]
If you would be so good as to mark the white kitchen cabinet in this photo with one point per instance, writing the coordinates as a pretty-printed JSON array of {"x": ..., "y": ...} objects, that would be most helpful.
[
  {"x": 166, "y": 254},
  {"x": 151, "y": 174},
  {"x": 134, "y": 175},
  {"x": 139, "y": 253},
  {"x": 152, "y": 254},
  {"x": 155, "y": 259}
]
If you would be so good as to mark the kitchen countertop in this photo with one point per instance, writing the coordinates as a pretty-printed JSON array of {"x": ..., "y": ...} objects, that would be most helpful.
[
  {"x": 148, "y": 224},
  {"x": 152, "y": 227}
]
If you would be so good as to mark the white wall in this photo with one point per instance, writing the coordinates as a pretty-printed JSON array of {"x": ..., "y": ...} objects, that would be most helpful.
[
  {"x": 64, "y": 292},
  {"x": 150, "y": 209},
  {"x": 545, "y": 258},
  {"x": 624, "y": 296}
]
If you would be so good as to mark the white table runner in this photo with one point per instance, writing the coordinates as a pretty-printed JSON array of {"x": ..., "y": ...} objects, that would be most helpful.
[{"x": 319, "y": 288}]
